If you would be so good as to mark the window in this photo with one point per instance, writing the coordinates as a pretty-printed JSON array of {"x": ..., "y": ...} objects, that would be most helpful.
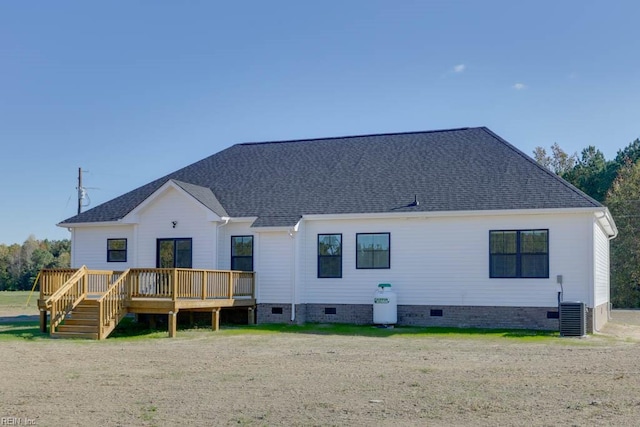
[
  {"x": 373, "y": 250},
  {"x": 519, "y": 254},
  {"x": 174, "y": 253},
  {"x": 329, "y": 255},
  {"x": 242, "y": 253},
  {"x": 116, "y": 250}
]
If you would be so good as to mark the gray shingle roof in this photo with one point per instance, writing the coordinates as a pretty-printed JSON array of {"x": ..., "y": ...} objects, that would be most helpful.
[
  {"x": 204, "y": 195},
  {"x": 278, "y": 182},
  {"x": 276, "y": 221}
]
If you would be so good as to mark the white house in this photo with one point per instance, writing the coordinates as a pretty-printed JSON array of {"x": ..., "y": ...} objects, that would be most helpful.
[{"x": 468, "y": 229}]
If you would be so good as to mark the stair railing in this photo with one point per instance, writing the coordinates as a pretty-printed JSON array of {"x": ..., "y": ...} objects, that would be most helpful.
[
  {"x": 112, "y": 305},
  {"x": 69, "y": 295}
]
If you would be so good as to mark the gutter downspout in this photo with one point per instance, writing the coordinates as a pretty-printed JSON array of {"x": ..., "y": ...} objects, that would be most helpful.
[{"x": 226, "y": 221}]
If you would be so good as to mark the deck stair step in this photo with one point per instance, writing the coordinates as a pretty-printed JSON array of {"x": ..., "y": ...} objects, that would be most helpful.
[
  {"x": 85, "y": 335},
  {"x": 82, "y": 322}
]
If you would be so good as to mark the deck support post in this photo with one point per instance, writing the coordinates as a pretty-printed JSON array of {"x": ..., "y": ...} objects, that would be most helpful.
[
  {"x": 215, "y": 319},
  {"x": 173, "y": 324},
  {"x": 152, "y": 321},
  {"x": 251, "y": 318},
  {"x": 43, "y": 321}
]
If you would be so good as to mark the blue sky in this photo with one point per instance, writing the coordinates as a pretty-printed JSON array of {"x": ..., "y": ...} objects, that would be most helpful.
[{"x": 132, "y": 90}]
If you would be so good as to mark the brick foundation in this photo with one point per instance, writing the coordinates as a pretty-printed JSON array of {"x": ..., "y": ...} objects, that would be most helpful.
[
  {"x": 357, "y": 314},
  {"x": 540, "y": 318},
  {"x": 478, "y": 317},
  {"x": 274, "y": 313}
]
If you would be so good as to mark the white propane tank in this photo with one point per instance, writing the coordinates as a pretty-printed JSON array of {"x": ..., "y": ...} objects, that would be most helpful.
[{"x": 385, "y": 305}]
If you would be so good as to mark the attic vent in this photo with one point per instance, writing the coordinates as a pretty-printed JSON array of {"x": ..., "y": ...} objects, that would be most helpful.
[{"x": 573, "y": 322}]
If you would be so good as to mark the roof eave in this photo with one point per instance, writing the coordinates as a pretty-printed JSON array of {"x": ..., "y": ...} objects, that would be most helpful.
[
  {"x": 433, "y": 214},
  {"x": 607, "y": 223},
  {"x": 92, "y": 224}
]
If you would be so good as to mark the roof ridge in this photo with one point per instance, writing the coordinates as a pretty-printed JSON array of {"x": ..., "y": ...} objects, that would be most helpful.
[
  {"x": 539, "y": 166},
  {"x": 286, "y": 141}
]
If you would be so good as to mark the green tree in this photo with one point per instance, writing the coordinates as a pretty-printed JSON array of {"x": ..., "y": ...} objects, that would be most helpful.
[
  {"x": 631, "y": 153},
  {"x": 541, "y": 157},
  {"x": 20, "y": 264},
  {"x": 13, "y": 266},
  {"x": 624, "y": 202},
  {"x": 5, "y": 261},
  {"x": 559, "y": 162},
  {"x": 40, "y": 258},
  {"x": 592, "y": 173}
]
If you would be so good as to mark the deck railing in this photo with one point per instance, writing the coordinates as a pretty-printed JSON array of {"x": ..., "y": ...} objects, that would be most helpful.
[
  {"x": 100, "y": 280},
  {"x": 112, "y": 305},
  {"x": 64, "y": 299},
  {"x": 173, "y": 283},
  {"x": 178, "y": 283},
  {"x": 62, "y": 290}
]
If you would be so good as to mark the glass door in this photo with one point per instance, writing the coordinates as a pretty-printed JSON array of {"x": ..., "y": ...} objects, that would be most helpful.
[{"x": 174, "y": 253}]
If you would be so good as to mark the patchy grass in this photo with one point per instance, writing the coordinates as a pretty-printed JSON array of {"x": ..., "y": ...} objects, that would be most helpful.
[
  {"x": 148, "y": 413},
  {"x": 18, "y": 331},
  {"x": 398, "y": 331},
  {"x": 130, "y": 330},
  {"x": 17, "y": 299}
]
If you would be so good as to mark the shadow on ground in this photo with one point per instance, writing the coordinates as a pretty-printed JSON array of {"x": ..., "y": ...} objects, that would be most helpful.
[{"x": 28, "y": 330}]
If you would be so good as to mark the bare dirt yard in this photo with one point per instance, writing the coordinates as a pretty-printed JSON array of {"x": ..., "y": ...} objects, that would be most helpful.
[{"x": 261, "y": 377}]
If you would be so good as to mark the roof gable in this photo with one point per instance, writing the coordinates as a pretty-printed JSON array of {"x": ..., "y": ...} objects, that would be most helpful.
[
  {"x": 200, "y": 195},
  {"x": 451, "y": 170},
  {"x": 204, "y": 195}
]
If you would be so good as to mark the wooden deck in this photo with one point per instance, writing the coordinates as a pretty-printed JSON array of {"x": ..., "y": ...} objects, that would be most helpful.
[{"x": 90, "y": 303}]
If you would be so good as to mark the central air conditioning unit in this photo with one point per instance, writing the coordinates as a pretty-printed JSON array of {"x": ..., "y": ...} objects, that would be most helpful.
[{"x": 573, "y": 321}]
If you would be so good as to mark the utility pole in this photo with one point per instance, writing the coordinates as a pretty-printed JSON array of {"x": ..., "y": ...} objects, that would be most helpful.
[{"x": 80, "y": 191}]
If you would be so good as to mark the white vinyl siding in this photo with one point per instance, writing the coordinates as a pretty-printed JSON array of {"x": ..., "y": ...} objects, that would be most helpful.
[
  {"x": 275, "y": 267},
  {"x": 445, "y": 261},
  {"x": 435, "y": 260},
  {"x": 601, "y": 265},
  {"x": 90, "y": 247},
  {"x": 156, "y": 222},
  {"x": 224, "y": 242},
  {"x": 272, "y": 260}
]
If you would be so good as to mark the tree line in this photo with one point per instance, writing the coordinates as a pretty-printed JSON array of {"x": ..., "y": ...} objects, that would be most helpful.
[
  {"x": 616, "y": 184},
  {"x": 20, "y": 264}
]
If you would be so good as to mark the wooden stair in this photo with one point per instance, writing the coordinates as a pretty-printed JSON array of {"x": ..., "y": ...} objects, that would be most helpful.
[{"x": 82, "y": 322}]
